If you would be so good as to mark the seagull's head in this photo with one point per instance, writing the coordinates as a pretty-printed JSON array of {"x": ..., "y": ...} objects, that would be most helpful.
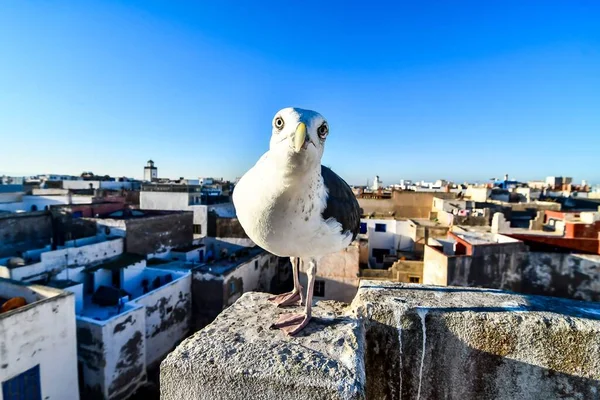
[{"x": 299, "y": 136}]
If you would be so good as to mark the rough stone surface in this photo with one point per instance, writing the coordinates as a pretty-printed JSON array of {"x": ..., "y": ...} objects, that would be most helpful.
[
  {"x": 428, "y": 342},
  {"x": 239, "y": 357}
]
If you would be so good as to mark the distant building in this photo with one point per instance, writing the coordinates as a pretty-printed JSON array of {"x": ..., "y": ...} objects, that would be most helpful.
[
  {"x": 387, "y": 237},
  {"x": 38, "y": 345},
  {"x": 219, "y": 283},
  {"x": 147, "y": 231},
  {"x": 474, "y": 258},
  {"x": 338, "y": 275},
  {"x": 150, "y": 172},
  {"x": 129, "y": 314},
  {"x": 182, "y": 198}
]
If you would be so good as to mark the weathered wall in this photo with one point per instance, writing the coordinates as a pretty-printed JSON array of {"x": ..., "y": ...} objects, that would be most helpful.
[
  {"x": 174, "y": 201},
  {"x": 435, "y": 267},
  {"x": 81, "y": 256},
  {"x": 228, "y": 227},
  {"x": 168, "y": 316},
  {"x": 113, "y": 353},
  {"x": 21, "y": 232},
  {"x": 572, "y": 276},
  {"x": 43, "y": 334},
  {"x": 253, "y": 275},
  {"x": 208, "y": 294},
  {"x": 404, "y": 204},
  {"x": 151, "y": 234},
  {"x": 238, "y": 357},
  {"x": 396, "y": 341},
  {"x": 213, "y": 293},
  {"x": 339, "y": 272},
  {"x": 401, "y": 271},
  {"x": 451, "y": 343}
]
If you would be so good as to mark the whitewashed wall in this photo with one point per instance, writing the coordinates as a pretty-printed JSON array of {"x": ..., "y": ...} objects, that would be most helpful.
[
  {"x": 43, "y": 334},
  {"x": 114, "y": 352},
  {"x": 133, "y": 276},
  {"x": 168, "y": 314},
  {"x": 116, "y": 227},
  {"x": 253, "y": 278},
  {"x": 340, "y": 273},
  {"x": 83, "y": 255}
]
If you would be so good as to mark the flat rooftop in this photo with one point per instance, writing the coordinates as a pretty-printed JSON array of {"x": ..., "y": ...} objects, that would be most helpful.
[
  {"x": 138, "y": 214},
  {"x": 121, "y": 261},
  {"x": 222, "y": 267},
  {"x": 479, "y": 238},
  {"x": 185, "y": 249}
]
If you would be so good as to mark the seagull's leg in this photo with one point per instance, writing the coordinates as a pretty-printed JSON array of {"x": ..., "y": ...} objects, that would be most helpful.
[
  {"x": 295, "y": 296},
  {"x": 293, "y": 323}
]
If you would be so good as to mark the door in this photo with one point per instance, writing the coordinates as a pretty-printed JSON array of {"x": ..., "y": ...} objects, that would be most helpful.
[{"x": 25, "y": 386}]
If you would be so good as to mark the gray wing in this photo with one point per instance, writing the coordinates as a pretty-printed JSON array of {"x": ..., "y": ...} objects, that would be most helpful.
[{"x": 341, "y": 202}]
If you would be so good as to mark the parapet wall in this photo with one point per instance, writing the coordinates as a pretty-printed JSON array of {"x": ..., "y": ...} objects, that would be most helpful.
[{"x": 396, "y": 341}]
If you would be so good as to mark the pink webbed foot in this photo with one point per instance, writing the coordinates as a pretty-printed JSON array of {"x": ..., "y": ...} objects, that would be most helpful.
[
  {"x": 291, "y": 324},
  {"x": 287, "y": 299}
]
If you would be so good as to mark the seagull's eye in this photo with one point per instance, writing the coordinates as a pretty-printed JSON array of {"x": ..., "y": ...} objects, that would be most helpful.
[
  {"x": 279, "y": 123},
  {"x": 323, "y": 130}
]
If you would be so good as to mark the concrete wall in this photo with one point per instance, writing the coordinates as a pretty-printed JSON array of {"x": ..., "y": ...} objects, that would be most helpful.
[
  {"x": 113, "y": 354},
  {"x": 396, "y": 341},
  {"x": 82, "y": 256},
  {"x": 401, "y": 271},
  {"x": 168, "y": 315},
  {"x": 449, "y": 343},
  {"x": 405, "y": 204},
  {"x": 56, "y": 262},
  {"x": 213, "y": 293},
  {"x": 152, "y": 234},
  {"x": 41, "y": 333},
  {"x": 21, "y": 232},
  {"x": 174, "y": 201},
  {"x": 571, "y": 276},
  {"x": 339, "y": 272},
  {"x": 253, "y": 275},
  {"x": 224, "y": 227}
]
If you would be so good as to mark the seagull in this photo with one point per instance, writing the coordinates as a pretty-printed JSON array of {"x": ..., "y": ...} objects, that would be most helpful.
[{"x": 292, "y": 206}]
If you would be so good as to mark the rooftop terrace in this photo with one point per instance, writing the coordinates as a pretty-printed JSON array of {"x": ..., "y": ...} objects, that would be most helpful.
[{"x": 223, "y": 267}]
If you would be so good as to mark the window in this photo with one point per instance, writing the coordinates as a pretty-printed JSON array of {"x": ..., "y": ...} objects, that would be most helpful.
[
  {"x": 363, "y": 227},
  {"x": 319, "y": 288},
  {"x": 414, "y": 279},
  {"x": 231, "y": 287},
  {"x": 25, "y": 386},
  {"x": 197, "y": 229},
  {"x": 256, "y": 265},
  {"x": 380, "y": 227},
  {"x": 34, "y": 208}
]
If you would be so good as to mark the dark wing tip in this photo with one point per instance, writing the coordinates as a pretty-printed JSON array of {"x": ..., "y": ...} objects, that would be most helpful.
[{"x": 341, "y": 202}]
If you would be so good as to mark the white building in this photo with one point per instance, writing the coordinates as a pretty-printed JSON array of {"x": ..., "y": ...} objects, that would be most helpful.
[
  {"x": 19, "y": 202},
  {"x": 150, "y": 171},
  {"x": 387, "y": 237},
  {"x": 38, "y": 345},
  {"x": 128, "y": 315},
  {"x": 179, "y": 198}
]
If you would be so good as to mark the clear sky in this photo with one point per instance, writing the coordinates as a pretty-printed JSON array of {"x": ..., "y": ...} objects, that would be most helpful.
[{"x": 421, "y": 89}]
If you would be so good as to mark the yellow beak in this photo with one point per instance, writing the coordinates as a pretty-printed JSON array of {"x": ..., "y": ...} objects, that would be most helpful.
[{"x": 299, "y": 136}]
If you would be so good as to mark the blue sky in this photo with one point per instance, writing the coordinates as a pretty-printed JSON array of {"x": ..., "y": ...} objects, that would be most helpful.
[{"x": 421, "y": 90}]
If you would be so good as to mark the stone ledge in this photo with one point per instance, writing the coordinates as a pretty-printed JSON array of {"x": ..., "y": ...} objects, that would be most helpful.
[
  {"x": 239, "y": 357},
  {"x": 396, "y": 341},
  {"x": 428, "y": 342}
]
